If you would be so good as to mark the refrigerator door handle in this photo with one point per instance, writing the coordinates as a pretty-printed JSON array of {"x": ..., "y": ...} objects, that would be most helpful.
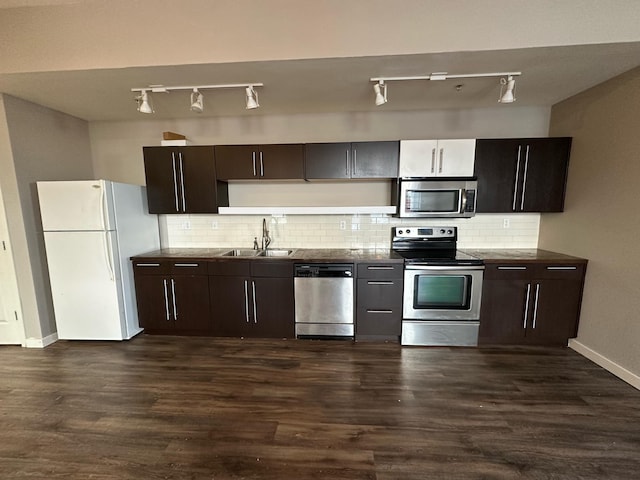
[
  {"x": 103, "y": 217},
  {"x": 108, "y": 253}
]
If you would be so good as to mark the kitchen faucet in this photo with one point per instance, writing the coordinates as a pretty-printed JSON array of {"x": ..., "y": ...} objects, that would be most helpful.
[{"x": 266, "y": 239}]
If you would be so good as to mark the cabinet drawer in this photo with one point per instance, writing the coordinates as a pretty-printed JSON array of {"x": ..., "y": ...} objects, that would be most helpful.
[
  {"x": 387, "y": 323},
  {"x": 379, "y": 294},
  {"x": 508, "y": 271},
  {"x": 150, "y": 267},
  {"x": 238, "y": 268},
  {"x": 380, "y": 270},
  {"x": 267, "y": 268},
  {"x": 187, "y": 267},
  {"x": 566, "y": 271}
]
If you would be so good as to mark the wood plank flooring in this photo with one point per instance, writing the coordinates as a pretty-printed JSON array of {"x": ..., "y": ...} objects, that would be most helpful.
[{"x": 182, "y": 408}]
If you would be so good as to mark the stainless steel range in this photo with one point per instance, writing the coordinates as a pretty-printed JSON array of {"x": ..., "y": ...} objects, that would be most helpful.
[{"x": 442, "y": 287}]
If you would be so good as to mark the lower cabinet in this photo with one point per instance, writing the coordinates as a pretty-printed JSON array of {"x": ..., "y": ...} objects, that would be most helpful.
[
  {"x": 531, "y": 304},
  {"x": 379, "y": 301},
  {"x": 252, "y": 298},
  {"x": 172, "y": 297}
]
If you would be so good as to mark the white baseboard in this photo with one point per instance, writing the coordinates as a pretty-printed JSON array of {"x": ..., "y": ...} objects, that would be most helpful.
[
  {"x": 41, "y": 342},
  {"x": 619, "y": 371}
]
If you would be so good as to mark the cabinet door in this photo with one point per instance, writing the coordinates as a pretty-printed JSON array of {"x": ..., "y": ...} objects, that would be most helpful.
[
  {"x": 544, "y": 175},
  {"x": 495, "y": 166},
  {"x": 418, "y": 158},
  {"x": 327, "y": 160},
  {"x": 230, "y": 305},
  {"x": 273, "y": 314},
  {"x": 237, "y": 162},
  {"x": 504, "y": 314},
  {"x": 153, "y": 300},
  {"x": 284, "y": 161},
  {"x": 375, "y": 159},
  {"x": 161, "y": 174},
  {"x": 190, "y": 303},
  {"x": 455, "y": 158},
  {"x": 198, "y": 180}
]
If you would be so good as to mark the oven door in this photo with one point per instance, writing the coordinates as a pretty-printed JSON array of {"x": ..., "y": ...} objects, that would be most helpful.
[{"x": 434, "y": 292}]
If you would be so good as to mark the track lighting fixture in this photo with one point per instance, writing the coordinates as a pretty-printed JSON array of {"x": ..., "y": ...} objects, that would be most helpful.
[
  {"x": 197, "y": 99},
  {"x": 380, "y": 90},
  {"x": 143, "y": 102},
  {"x": 507, "y": 85},
  {"x": 252, "y": 98}
]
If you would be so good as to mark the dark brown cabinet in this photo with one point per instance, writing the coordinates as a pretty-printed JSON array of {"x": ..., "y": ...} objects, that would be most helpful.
[
  {"x": 255, "y": 162},
  {"x": 183, "y": 180},
  {"x": 521, "y": 175},
  {"x": 252, "y": 298},
  {"x": 352, "y": 160},
  {"x": 172, "y": 297},
  {"x": 531, "y": 303},
  {"x": 379, "y": 301}
]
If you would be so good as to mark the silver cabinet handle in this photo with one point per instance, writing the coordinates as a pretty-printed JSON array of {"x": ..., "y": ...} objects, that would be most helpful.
[
  {"x": 261, "y": 166},
  {"x": 166, "y": 299},
  {"x": 246, "y": 300},
  {"x": 186, "y": 264},
  {"x": 255, "y": 311},
  {"x": 173, "y": 294},
  {"x": 253, "y": 157},
  {"x": 526, "y": 306},
  {"x": 515, "y": 183},
  {"x": 346, "y": 168},
  {"x": 383, "y": 267},
  {"x": 524, "y": 181},
  {"x": 441, "y": 159},
  {"x": 433, "y": 160},
  {"x": 562, "y": 268},
  {"x": 184, "y": 203},
  {"x": 379, "y": 311},
  {"x": 512, "y": 268},
  {"x": 175, "y": 180},
  {"x": 147, "y": 264},
  {"x": 535, "y": 305},
  {"x": 379, "y": 283},
  {"x": 355, "y": 163}
]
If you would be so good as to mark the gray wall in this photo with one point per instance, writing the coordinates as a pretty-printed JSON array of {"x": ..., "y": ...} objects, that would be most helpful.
[
  {"x": 42, "y": 145},
  {"x": 600, "y": 221}
]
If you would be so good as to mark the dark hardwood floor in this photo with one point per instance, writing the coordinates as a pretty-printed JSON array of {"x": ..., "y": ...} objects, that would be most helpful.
[{"x": 203, "y": 409}]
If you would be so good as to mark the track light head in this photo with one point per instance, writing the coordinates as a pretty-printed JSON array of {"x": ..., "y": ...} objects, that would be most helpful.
[
  {"x": 143, "y": 102},
  {"x": 380, "y": 90},
  {"x": 197, "y": 101},
  {"x": 252, "y": 98},
  {"x": 507, "y": 85}
]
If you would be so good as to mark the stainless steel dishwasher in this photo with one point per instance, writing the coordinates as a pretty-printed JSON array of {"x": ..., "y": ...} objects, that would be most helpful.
[{"x": 324, "y": 300}]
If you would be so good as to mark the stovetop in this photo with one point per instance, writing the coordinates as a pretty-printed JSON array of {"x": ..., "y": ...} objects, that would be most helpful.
[{"x": 430, "y": 246}]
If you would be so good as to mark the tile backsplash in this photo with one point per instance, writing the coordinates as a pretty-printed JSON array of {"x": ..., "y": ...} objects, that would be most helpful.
[{"x": 340, "y": 231}]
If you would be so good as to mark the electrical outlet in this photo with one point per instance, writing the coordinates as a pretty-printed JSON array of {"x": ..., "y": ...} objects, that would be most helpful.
[
  {"x": 186, "y": 225},
  {"x": 506, "y": 223},
  {"x": 355, "y": 226},
  {"x": 343, "y": 225},
  {"x": 214, "y": 225}
]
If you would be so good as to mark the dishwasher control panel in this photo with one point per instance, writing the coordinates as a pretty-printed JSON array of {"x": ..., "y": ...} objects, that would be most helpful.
[{"x": 320, "y": 270}]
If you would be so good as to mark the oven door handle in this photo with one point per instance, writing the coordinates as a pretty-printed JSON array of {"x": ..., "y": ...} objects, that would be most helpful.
[{"x": 444, "y": 267}]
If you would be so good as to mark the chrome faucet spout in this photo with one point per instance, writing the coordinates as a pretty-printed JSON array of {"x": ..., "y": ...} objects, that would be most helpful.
[{"x": 266, "y": 239}]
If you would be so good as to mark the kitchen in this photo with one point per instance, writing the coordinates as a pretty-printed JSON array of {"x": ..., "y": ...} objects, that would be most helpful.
[{"x": 595, "y": 198}]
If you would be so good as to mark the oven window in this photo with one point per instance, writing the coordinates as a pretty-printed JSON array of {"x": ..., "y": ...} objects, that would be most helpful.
[
  {"x": 433, "y": 201},
  {"x": 442, "y": 292}
]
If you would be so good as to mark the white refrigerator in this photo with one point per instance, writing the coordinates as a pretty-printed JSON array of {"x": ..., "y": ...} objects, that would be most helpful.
[{"x": 91, "y": 229}]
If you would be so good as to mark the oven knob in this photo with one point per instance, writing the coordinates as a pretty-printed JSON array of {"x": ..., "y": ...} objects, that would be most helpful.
[
  {"x": 399, "y": 232},
  {"x": 450, "y": 232},
  {"x": 442, "y": 231},
  {"x": 408, "y": 231}
]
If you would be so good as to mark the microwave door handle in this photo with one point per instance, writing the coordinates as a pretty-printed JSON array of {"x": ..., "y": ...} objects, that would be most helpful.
[{"x": 464, "y": 201}]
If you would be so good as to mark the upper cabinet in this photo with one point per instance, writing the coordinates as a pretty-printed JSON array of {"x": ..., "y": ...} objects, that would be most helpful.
[
  {"x": 351, "y": 160},
  {"x": 522, "y": 175},
  {"x": 255, "y": 162},
  {"x": 183, "y": 180},
  {"x": 437, "y": 158}
]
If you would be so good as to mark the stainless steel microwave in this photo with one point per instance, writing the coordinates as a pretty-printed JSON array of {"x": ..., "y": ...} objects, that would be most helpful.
[{"x": 437, "y": 198}]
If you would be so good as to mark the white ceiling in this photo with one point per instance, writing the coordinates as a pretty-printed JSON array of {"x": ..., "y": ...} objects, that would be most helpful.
[{"x": 549, "y": 75}]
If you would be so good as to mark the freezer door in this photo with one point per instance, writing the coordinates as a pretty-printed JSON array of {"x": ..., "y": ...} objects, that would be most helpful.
[
  {"x": 85, "y": 278},
  {"x": 76, "y": 205}
]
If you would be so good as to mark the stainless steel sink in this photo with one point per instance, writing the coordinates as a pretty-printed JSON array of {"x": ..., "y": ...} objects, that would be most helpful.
[
  {"x": 240, "y": 252},
  {"x": 275, "y": 253}
]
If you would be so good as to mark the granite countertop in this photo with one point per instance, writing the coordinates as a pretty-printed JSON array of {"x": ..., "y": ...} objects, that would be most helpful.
[
  {"x": 298, "y": 254},
  {"x": 504, "y": 255}
]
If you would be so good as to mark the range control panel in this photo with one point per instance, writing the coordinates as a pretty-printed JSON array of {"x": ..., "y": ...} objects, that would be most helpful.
[{"x": 421, "y": 232}]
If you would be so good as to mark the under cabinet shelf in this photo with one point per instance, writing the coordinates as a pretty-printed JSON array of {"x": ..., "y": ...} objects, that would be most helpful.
[{"x": 348, "y": 210}]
